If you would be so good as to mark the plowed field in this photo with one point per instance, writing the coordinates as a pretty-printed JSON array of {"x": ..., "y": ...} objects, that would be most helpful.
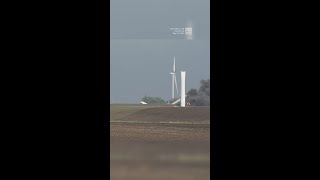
[{"x": 151, "y": 143}]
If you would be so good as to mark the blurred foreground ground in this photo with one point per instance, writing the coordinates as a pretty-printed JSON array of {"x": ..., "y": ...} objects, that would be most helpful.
[{"x": 153, "y": 143}]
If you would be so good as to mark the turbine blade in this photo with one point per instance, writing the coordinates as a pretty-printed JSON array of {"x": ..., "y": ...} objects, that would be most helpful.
[
  {"x": 175, "y": 80},
  {"x": 174, "y": 64}
]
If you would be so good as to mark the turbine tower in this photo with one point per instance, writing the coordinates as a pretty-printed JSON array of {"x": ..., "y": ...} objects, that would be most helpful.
[
  {"x": 174, "y": 79},
  {"x": 183, "y": 89}
]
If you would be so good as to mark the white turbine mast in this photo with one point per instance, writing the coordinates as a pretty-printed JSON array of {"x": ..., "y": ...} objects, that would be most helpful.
[
  {"x": 174, "y": 78},
  {"x": 183, "y": 89}
]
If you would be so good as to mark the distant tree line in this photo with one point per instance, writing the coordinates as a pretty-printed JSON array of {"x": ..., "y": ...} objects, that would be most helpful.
[
  {"x": 153, "y": 100},
  {"x": 200, "y": 97}
]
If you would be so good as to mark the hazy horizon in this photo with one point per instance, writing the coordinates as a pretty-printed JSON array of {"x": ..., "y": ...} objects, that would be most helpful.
[{"x": 143, "y": 47}]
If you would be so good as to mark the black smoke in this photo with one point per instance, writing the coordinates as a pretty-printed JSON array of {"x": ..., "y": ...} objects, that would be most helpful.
[{"x": 200, "y": 97}]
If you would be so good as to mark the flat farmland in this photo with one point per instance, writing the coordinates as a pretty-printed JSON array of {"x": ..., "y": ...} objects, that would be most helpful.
[{"x": 154, "y": 142}]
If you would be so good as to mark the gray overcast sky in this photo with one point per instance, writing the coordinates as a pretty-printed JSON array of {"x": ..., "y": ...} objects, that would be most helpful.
[{"x": 143, "y": 47}]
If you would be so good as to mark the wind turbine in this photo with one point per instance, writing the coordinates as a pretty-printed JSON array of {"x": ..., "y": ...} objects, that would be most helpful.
[{"x": 174, "y": 79}]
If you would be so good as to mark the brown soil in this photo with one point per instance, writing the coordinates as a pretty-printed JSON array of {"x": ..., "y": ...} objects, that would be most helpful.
[
  {"x": 172, "y": 114},
  {"x": 157, "y": 151}
]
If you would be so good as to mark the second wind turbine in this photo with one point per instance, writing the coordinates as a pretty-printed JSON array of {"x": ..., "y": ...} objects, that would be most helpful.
[{"x": 174, "y": 79}]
